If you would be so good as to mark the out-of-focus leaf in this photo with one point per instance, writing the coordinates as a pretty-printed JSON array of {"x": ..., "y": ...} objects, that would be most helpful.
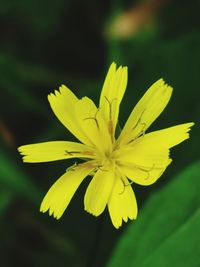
[
  {"x": 13, "y": 178},
  {"x": 44, "y": 17},
  {"x": 181, "y": 248},
  {"x": 5, "y": 200},
  {"x": 14, "y": 93},
  {"x": 166, "y": 232}
]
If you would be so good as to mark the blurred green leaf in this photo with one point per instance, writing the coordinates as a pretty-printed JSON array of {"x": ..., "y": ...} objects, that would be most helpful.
[
  {"x": 13, "y": 178},
  {"x": 181, "y": 248},
  {"x": 5, "y": 200},
  {"x": 166, "y": 232},
  {"x": 13, "y": 92}
]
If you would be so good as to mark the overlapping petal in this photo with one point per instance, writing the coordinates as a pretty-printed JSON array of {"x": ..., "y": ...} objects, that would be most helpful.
[
  {"x": 149, "y": 156},
  {"x": 55, "y": 150},
  {"x": 143, "y": 153},
  {"x": 63, "y": 105},
  {"x": 61, "y": 192},
  {"x": 144, "y": 161},
  {"x": 169, "y": 137},
  {"x": 112, "y": 94},
  {"x": 93, "y": 124},
  {"x": 122, "y": 203},
  {"x": 146, "y": 111},
  {"x": 99, "y": 189},
  {"x": 143, "y": 175}
]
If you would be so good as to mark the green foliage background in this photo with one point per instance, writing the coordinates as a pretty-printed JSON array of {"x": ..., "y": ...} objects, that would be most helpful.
[{"x": 48, "y": 43}]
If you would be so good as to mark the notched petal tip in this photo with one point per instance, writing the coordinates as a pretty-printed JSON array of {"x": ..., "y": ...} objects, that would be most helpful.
[
  {"x": 25, "y": 159},
  {"x": 119, "y": 68},
  {"x": 91, "y": 212},
  {"x": 20, "y": 150},
  {"x": 57, "y": 93},
  {"x": 23, "y": 152},
  {"x": 43, "y": 206},
  {"x": 190, "y": 124},
  {"x": 63, "y": 86},
  {"x": 188, "y": 129},
  {"x": 162, "y": 83},
  {"x": 43, "y": 211},
  {"x": 56, "y": 216},
  {"x": 113, "y": 65},
  {"x": 125, "y": 69},
  {"x": 51, "y": 212},
  {"x": 165, "y": 85},
  {"x": 63, "y": 89},
  {"x": 51, "y": 97},
  {"x": 117, "y": 226},
  {"x": 134, "y": 217}
]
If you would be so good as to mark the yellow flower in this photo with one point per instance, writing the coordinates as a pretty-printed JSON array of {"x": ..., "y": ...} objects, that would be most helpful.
[{"x": 113, "y": 163}]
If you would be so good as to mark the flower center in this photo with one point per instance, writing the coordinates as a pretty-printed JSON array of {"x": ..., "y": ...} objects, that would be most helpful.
[{"x": 110, "y": 155}]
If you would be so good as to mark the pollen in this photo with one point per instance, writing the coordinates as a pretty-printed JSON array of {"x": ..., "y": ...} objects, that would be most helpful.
[{"x": 88, "y": 153}]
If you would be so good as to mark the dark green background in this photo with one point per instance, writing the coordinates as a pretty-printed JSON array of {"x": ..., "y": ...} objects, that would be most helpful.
[{"x": 47, "y": 43}]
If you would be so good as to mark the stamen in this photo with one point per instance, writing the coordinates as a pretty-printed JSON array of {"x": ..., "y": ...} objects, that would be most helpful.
[
  {"x": 128, "y": 184},
  {"x": 70, "y": 153},
  {"x": 124, "y": 186},
  {"x": 110, "y": 128},
  {"x": 139, "y": 120},
  {"x": 94, "y": 118},
  {"x": 110, "y": 122},
  {"x": 137, "y": 123},
  {"x": 88, "y": 153},
  {"x": 110, "y": 105},
  {"x": 100, "y": 168},
  {"x": 72, "y": 168},
  {"x": 146, "y": 171},
  {"x": 141, "y": 132}
]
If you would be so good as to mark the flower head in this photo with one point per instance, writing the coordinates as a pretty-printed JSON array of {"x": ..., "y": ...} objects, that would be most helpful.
[{"x": 113, "y": 163}]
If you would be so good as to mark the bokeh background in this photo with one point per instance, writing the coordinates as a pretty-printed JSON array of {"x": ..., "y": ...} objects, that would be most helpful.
[{"x": 44, "y": 44}]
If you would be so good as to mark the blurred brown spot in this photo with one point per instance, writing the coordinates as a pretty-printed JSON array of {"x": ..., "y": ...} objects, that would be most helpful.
[
  {"x": 132, "y": 20},
  {"x": 6, "y": 134}
]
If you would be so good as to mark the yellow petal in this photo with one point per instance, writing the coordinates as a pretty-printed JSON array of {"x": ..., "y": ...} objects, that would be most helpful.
[
  {"x": 122, "y": 203},
  {"x": 143, "y": 162},
  {"x": 142, "y": 175},
  {"x": 169, "y": 137},
  {"x": 55, "y": 150},
  {"x": 63, "y": 105},
  {"x": 144, "y": 153},
  {"x": 98, "y": 191},
  {"x": 146, "y": 111},
  {"x": 93, "y": 124},
  {"x": 112, "y": 94},
  {"x": 145, "y": 159},
  {"x": 60, "y": 194}
]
